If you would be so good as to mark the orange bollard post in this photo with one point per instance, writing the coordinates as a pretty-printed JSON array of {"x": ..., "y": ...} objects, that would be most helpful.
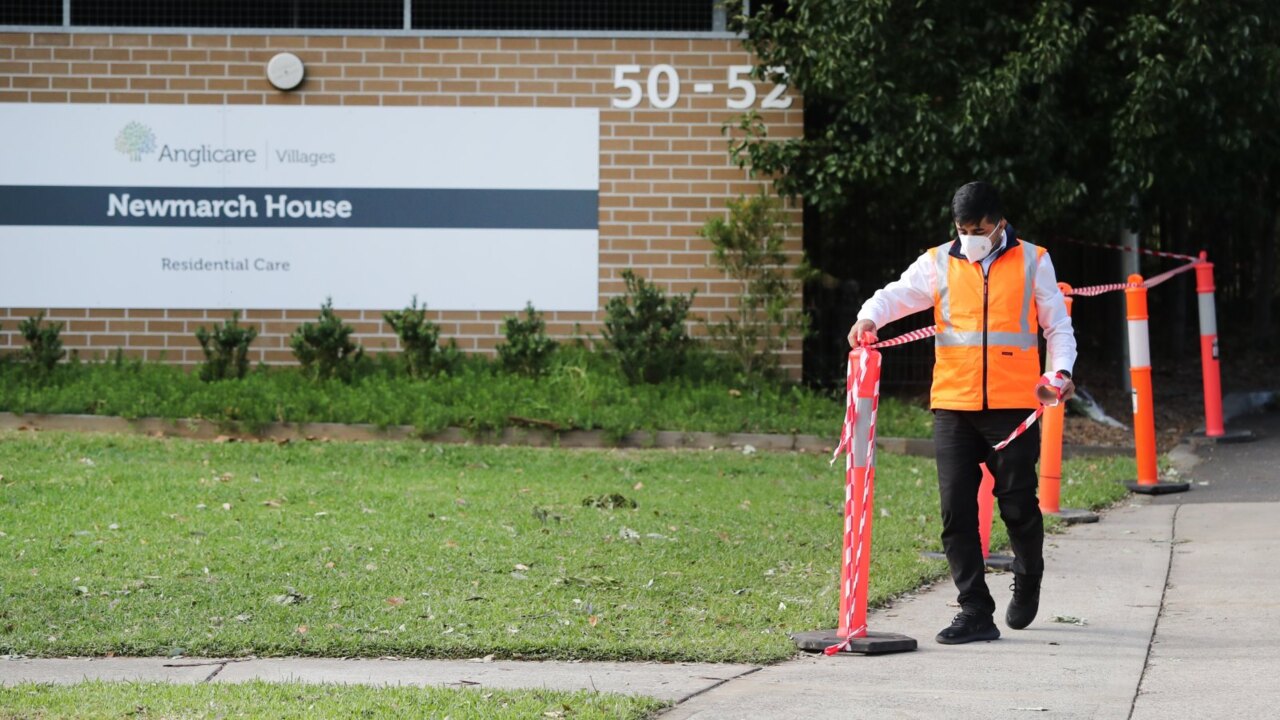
[
  {"x": 986, "y": 515},
  {"x": 1213, "y": 421},
  {"x": 986, "y": 509},
  {"x": 1144, "y": 424},
  {"x": 858, "y": 441},
  {"x": 1051, "y": 425}
]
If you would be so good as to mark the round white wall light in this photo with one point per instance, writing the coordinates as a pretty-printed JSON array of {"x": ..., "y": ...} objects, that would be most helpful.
[{"x": 285, "y": 71}]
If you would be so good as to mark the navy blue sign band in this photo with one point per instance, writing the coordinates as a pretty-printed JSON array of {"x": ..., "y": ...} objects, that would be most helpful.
[{"x": 299, "y": 207}]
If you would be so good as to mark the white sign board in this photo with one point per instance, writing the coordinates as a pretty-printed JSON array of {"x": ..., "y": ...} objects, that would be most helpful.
[{"x": 164, "y": 206}]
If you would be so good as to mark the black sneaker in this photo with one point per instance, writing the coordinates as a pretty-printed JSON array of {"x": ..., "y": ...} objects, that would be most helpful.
[
  {"x": 969, "y": 626},
  {"x": 1026, "y": 601}
]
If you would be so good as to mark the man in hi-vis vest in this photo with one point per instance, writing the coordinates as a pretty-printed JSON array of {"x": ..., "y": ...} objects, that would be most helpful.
[{"x": 989, "y": 289}]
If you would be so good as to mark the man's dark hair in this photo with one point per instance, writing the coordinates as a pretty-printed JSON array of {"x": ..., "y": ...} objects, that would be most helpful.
[{"x": 975, "y": 202}]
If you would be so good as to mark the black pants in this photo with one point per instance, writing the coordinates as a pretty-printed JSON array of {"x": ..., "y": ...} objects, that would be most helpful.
[{"x": 962, "y": 441}]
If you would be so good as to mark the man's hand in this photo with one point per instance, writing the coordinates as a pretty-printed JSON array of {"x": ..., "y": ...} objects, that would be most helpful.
[
  {"x": 859, "y": 329},
  {"x": 1051, "y": 382},
  {"x": 1068, "y": 390}
]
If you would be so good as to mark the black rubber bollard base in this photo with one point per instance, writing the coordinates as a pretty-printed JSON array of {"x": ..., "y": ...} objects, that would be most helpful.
[
  {"x": 875, "y": 643},
  {"x": 1159, "y": 488},
  {"x": 1075, "y": 516},
  {"x": 1226, "y": 438},
  {"x": 995, "y": 562}
]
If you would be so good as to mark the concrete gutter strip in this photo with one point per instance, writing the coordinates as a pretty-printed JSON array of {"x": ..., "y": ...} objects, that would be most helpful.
[
  {"x": 198, "y": 429},
  {"x": 673, "y": 682}
]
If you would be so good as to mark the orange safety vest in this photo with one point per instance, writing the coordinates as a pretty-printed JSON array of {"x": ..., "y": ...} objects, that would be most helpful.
[{"x": 987, "y": 349}]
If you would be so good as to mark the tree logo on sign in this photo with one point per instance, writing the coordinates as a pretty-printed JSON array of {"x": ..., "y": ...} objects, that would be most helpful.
[{"x": 135, "y": 139}]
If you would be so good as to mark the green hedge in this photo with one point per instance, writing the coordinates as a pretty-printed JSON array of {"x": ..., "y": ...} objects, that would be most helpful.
[{"x": 581, "y": 390}]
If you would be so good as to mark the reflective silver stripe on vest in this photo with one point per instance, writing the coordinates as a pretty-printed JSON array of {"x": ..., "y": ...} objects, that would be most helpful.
[
  {"x": 1030, "y": 254},
  {"x": 941, "y": 256},
  {"x": 957, "y": 338}
]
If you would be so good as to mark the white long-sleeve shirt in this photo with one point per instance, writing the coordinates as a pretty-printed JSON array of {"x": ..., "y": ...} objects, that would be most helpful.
[{"x": 915, "y": 290}]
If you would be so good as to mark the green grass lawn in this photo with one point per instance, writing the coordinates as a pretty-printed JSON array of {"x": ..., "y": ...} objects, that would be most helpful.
[
  {"x": 293, "y": 700},
  {"x": 582, "y": 391},
  {"x": 142, "y": 546}
]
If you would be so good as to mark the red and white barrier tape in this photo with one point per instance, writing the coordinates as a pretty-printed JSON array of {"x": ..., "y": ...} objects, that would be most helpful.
[
  {"x": 1139, "y": 251},
  {"x": 854, "y": 543},
  {"x": 922, "y": 333},
  {"x": 1154, "y": 280}
]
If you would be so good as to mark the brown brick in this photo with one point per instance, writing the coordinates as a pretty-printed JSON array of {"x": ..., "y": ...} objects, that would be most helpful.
[
  {"x": 420, "y": 86},
  {"x": 205, "y": 98},
  {"x": 88, "y": 97},
  {"x": 360, "y": 100},
  {"x": 30, "y": 53},
  {"x": 144, "y": 83},
  {"x": 89, "y": 40},
  {"x": 279, "y": 98},
  {"x": 50, "y": 68},
  {"x": 207, "y": 70},
  {"x": 232, "y": 84},
  {"x": 325, "y": 41},
  {"x": 321, "y": 99},
  {"x": 28, "y": 81},
  {"x": 149, "y": 55},
  {"x": 365, "y": 42},
  {"x": 248, "y": 41},
  {"x": 188, "y": 56},
  {"x": 70, "y": 83},
  {"x": 380, "y": 86},
  {"x": 442, "y": 72},
  {"x": 362, "y": 71},
  {"x": 343, "y": 56},
  {"x": 209, "y": 41},
  {"x": 122, "y": 40},
  {"x": 286, "y": 42},
  {"x": 459, "y": 58},
  {"x": 402, "y": 42},
  {"x": 340, "y": 85},
  {"x": 59, "y": 53},
  {"x": 51, "y": 39}
]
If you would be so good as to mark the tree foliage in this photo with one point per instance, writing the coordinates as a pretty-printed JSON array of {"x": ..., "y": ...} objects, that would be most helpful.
[
  {"x": 748, "y": 246},
  {"x": 1156, "y": 115}
]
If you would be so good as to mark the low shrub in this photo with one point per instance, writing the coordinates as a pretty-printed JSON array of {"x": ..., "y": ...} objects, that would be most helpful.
[
  {"x": 325, "y": 349},
  {"x": 527, "y": 350},
  {"x": 44, "y": 342},
  {"x": 645, "y": 329},
  {"x": 421, "y": 354},
  {"x": 226, "y": 349}
]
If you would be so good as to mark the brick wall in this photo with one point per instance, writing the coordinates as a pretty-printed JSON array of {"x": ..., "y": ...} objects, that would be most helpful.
[{"x": 662, "y": 172}]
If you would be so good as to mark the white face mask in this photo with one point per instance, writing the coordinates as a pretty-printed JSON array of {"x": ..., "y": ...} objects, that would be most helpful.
[{"x": 977, "y": 247}]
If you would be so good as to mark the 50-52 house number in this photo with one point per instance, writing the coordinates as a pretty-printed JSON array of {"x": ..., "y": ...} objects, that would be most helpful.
[{"x": 663, "y": 88}]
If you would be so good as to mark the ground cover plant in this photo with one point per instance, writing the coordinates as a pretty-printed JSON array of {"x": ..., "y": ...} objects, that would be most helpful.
[
  {"x": 580, "y": 390},
  {"x": 282, "y": 701},
  {"x": 142, "y": 546}
]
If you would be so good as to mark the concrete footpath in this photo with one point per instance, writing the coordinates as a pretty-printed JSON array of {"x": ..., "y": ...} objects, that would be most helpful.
[{"x": 1167, "y": 608}]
